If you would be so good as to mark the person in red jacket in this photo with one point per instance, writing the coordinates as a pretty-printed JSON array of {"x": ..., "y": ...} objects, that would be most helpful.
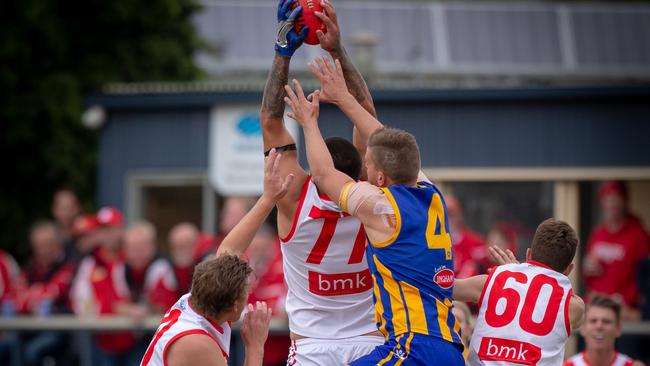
[
  {"x": 615, "y": 250},
  {"x": 93, "y": 291},
  {"x": 9, "y": 272},
  {"x": 469, "y": 247}
]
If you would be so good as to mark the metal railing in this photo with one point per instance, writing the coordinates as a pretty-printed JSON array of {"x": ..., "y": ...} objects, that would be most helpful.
[{"x": 82, "y": 329}]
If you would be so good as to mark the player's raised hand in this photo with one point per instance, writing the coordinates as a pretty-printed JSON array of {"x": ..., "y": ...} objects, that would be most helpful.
[
  {"x": 255, "y": 327},
  {"x": 498, "y": 256},
  {"x": 330, "y": 41},
  {"x": 274, "y": 186},
  {"x": 303, "y": 111},
  {"x": 288, "y": 40},
  {"x": 332, "y": 82}
]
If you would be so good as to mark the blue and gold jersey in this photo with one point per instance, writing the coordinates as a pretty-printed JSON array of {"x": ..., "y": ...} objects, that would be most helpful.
[{"x": 413, "y": 271}]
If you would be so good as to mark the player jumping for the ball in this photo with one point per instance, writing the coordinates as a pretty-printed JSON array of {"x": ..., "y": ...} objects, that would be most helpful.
[
  {"x": 409, "y": 250},
  {"x": 329, "y": 302}
]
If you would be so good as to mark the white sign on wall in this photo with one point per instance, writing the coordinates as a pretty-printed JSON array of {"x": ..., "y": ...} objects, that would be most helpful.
[{"x": 236, "y": 161}]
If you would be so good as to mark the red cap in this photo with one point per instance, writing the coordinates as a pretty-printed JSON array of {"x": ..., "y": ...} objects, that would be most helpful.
[
  {"x": 84, "y": 224},
  {"x": 613, "y": 187},
  {"x": 109, "y": 216}
]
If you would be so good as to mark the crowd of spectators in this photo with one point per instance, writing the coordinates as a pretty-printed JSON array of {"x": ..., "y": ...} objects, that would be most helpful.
[{"x": 94, "y": 264}]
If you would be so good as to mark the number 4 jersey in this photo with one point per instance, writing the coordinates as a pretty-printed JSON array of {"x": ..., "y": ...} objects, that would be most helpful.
[
  {"x": 523, "y": 317},
  {"x": 330, "y": 287}
]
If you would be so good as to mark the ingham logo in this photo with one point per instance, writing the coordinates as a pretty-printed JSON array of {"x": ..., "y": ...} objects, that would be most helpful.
[{"x": 444, "y": 278}]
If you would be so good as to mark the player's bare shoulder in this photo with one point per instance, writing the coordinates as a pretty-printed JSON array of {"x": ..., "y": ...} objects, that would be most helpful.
[{"x": 194, "y": 349}]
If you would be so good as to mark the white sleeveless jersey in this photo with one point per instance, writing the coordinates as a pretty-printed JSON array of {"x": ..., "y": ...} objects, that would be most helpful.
[
  {"x": 180, "y": 321},
  {"x": 580, "y": 360},
  {"x": 523, "y": 317},
  {"x": 330, "y": 287}
]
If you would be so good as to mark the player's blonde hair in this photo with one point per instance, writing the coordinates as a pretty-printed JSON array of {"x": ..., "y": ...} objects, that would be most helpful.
[{"x": 395, "y": 152}]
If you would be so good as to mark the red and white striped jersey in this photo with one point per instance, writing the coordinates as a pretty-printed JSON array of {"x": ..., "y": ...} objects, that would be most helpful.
[
  {"x": 330, "y": 287},
  {"x": 182, "y": 320},
  {"x": 523, "y": 317},
  {"x": 580, "y": 360}
]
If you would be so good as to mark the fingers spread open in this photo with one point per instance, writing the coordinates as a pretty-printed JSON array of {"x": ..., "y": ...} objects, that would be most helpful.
[
  {"x": 292, "y": 96},
  {"x": 299, "y": 92},
  {"x": 315, "y": 70}
]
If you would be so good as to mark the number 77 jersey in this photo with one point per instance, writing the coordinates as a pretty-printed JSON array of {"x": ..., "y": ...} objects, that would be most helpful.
[
  {"x": 523, "y": 317},
  {"x": 330, "y": 287}
]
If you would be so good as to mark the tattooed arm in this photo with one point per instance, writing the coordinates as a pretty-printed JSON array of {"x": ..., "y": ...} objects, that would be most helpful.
[
  {"x": 275, "y": 134},
  {"x": 331, "y": 42}
]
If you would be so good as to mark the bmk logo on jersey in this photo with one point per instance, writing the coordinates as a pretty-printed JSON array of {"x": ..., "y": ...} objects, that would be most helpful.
[
  {"x": 499, "y": 349},
  {"x": 444, "y": 278},
  {"x": 325, "y": 284}
]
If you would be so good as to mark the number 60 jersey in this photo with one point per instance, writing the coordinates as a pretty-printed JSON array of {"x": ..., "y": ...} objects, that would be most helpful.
[
  {"x": 523, "y": 317},
  {"x": 330, "y": 287}
]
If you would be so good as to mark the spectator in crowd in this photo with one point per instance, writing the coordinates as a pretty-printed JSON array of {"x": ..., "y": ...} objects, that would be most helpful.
[
  {"x": 600, "y": 329},
  {"x": 83, "y": 230},
  {"x": 233, "y": 210},
  {"x": 65, "y": 208},
  {"x": 465, "y": 318},
  {"x": 42, "y": 289},
  {"x": 469, "y": 247},
  {"x": 9, "y": 272},
  {"x": 183, "y": 240},
  {"x": 265, "y": 258},
  {"x": 615, "y": 250},
  {"x": 93, "y": 290},
  {"x": 148, "y": 277}
]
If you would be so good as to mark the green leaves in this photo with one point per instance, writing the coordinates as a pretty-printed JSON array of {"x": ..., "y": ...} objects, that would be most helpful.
[{"x": 53, "y": 54}]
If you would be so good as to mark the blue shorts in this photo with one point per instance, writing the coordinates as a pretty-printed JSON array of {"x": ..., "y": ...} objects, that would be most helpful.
[{"x": 423, "y": 350}]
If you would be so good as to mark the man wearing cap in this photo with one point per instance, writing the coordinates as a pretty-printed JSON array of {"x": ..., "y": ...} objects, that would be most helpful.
[
  {"x": 616, "y": 248},
  {"x": 93, "y": 290}
]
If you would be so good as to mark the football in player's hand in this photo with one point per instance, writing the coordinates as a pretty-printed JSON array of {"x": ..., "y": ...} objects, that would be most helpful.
[{"x": 308, "y": 18}]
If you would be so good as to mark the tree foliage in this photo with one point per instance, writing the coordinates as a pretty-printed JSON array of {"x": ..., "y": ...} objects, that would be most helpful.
[{"x": 52, "y": 53}]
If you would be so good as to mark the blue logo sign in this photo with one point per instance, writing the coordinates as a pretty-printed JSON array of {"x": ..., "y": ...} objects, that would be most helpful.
[{"x": 249, "y": 125}]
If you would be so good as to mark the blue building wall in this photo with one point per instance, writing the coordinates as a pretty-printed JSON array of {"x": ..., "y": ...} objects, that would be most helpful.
[{"x": 478, "y": 128}]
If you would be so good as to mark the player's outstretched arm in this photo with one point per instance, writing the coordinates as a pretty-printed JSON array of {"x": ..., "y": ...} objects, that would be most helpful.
[
  {"x": 334, "y": 89},
  {"x": 328, "y": 180},
  {"x": 331, "y": 42},
  {"x": 254, "y": 331},
  {"x": 274, "y": 132},
  {"x": 275, "y": 187},
  {"x": 469, "y": 289}
]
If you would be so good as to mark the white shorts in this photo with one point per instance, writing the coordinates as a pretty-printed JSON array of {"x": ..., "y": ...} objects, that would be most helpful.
[{"x": 331, "y": 352}]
